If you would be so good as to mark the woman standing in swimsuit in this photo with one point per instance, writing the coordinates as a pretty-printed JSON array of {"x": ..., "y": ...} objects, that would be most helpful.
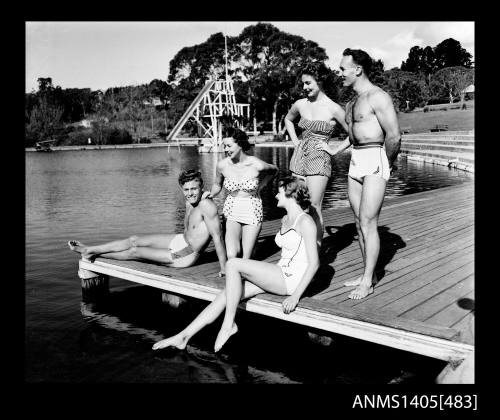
[
  {"x": 239, "y": 174},
  {"x": 318, "y": 117},
  {"x": 290, "y": 277}
]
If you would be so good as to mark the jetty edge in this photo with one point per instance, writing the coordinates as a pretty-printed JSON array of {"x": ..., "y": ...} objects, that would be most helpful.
[{"x": 423, "y": 303}]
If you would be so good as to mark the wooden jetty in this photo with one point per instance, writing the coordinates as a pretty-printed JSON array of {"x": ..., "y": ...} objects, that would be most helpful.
[{"x": 423, "y": 302}]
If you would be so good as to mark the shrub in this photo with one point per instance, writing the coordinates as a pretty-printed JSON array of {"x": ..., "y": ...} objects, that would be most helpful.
[
  {"x": 78, "y": 138},
  {"x": 117, "y": 136}
]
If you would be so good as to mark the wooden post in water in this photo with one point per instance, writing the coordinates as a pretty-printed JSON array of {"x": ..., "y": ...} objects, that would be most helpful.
[
  {"x": 94, "y": 285},
  {"x": 174, "y": 301},
  {"x": 458, "y": 372}
]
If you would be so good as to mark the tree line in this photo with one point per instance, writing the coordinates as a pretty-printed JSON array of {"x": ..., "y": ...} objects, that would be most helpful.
[{"x": 263, "y": 62}]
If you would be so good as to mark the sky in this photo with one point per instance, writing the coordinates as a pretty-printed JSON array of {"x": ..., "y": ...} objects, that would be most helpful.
[{"x": 100, "y": 55}]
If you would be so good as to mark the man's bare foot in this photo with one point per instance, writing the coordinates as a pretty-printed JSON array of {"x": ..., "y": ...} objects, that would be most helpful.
[
  {"x": 223, "y": 336},
  {"x": 82, "y": 249},
  {"x": 362, "y": 291},
  {"x": 178, "y": 341},
  {"x": 357, "y": 282}
]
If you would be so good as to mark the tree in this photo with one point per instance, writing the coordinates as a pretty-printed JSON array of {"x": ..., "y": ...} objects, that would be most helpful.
[
  {"x": 263, "y": 62},
  {"x": 449, "y": 53},
  {"x": 44, "y": 120},
  {"x": 405, "y": 86},
  {"x": 269, "y": 60},
  {"x": 453, "y": 80}
]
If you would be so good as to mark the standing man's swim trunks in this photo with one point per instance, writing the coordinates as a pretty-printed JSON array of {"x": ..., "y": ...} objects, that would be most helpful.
[
  {"x": 306, "y": 160},
  {"x": 369, "y": 159}
]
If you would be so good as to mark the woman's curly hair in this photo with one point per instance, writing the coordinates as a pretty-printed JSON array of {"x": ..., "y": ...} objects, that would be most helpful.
[
  {"x": 317, "y": 70},
  {"x": 239, "y": 137},
  {"x": 297, "y": 189}
]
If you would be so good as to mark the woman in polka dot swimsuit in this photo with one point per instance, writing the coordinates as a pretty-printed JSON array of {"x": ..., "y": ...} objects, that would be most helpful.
[{"x": 239, "y": 174}]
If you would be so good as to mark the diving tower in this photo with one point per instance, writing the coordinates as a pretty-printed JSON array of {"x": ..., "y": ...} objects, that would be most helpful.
[{"x": 215, "y": 101}]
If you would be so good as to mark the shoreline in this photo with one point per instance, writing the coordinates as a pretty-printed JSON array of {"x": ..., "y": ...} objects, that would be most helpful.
[{"x": 407, "y": 154}]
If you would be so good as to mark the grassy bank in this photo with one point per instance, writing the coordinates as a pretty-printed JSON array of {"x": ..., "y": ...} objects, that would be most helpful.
[{"x": 420, "y": 122}]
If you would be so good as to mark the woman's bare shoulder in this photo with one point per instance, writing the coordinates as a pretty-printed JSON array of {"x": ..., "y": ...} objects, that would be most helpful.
[{"x": 306, "y": 223}]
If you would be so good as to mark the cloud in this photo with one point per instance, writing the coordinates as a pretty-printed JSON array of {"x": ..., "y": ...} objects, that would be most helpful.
[
  {"x": 405, "y": 40},
  {"x": 436, "y": 32}
]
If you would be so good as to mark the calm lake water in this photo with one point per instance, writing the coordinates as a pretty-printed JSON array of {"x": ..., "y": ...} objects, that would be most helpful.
[{"x": 101, "y": 195}]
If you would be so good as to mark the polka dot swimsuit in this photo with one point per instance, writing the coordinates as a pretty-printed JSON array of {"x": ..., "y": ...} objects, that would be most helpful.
[{"x": 245, "y": 210}]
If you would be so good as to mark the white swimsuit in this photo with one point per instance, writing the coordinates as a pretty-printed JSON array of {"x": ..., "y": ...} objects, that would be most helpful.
[
  {"x": 293, "y": 262},
  {"x": 369, "y": 159}
]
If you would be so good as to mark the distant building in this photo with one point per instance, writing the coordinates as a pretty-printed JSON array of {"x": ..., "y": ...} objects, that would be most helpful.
[
  {"x": 154, "y": 102},
  {"x": 468, "y": 92},
  {"x": 87, "y": 123}
]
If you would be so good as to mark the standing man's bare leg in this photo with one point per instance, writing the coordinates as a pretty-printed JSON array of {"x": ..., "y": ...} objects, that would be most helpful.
[
  {"x": 372, "y": 198},
  {"x": 354, "y": 191}
]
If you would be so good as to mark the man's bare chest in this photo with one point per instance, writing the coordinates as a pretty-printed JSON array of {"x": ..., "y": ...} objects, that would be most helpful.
[{"x": 359, "y": 111}]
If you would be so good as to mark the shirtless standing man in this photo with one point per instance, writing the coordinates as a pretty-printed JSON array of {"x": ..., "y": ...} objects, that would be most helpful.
[
  {"x": 375, "y": 136},
  {"x": 175, "y": 250}
]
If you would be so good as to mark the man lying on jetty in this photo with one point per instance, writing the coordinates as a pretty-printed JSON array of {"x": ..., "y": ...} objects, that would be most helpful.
[{"x": 175, "y": 250}]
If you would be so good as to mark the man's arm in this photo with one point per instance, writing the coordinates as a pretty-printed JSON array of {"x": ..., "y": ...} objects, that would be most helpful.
[
  {"x": 211, "y": 219},
  {"x": 384, "y": 110}
]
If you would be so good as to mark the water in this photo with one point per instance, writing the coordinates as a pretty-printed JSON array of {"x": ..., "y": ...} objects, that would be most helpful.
[{"x": 101, "y": 195}]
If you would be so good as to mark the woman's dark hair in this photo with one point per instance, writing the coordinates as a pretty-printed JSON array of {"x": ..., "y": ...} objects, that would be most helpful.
[
  {"x": 190, "y": 175},
  {"x": 317, "y": 70},
  {"x": 297, "y": 189},
  {"x": 360, "y": 58},
  {"x": 239, "y": 137}
]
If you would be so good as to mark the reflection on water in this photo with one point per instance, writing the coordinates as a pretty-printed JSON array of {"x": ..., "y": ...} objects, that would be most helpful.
[{"x": 103, "y": 195}]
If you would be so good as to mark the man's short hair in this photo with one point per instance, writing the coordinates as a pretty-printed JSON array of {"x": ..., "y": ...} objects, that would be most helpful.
[
  {"x": 190, "y": 175},
  {"x": 360, "y": 58}
]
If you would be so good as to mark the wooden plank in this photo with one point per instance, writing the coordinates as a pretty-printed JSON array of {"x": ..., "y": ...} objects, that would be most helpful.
[
  {"x": 435, "y": 281},
  {"x": 405, "y": 272},
  {"x": 466, "y": 328},
  {"x": 389, "y": 288},
  {"x": 352, "y": 253},
  {"x": 406, "y": 262},
  {"x": 445, "y": 349},
  {"x": 440, "y": 301},
  {"x": 454, "y": 312},
  {"x": 394, "y": 283}
]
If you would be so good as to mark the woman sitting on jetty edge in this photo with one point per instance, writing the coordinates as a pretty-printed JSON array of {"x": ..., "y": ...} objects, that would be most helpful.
[{"x": 289, "y": 277}]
